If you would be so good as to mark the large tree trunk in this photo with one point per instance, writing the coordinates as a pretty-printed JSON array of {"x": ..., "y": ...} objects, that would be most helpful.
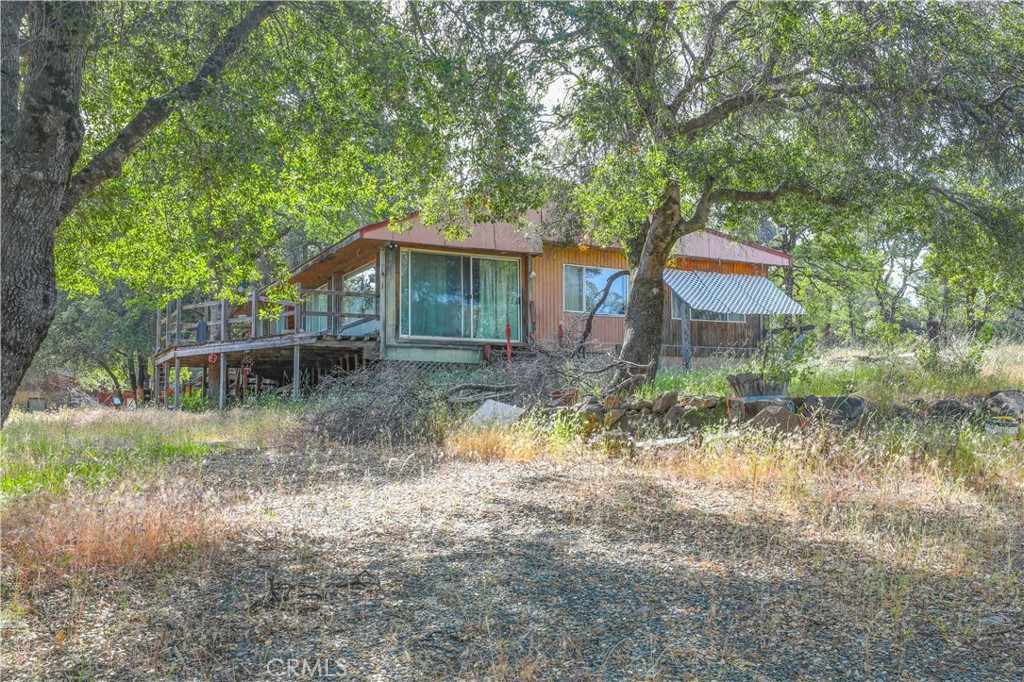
[
  {"x": 41, "y": 142},
  {"x": 42, "y": 137},
  {"x": 641, "y": 344}
]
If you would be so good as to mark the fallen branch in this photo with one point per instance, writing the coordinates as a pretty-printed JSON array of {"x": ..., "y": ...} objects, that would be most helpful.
[{"x": 280, "y": 591}]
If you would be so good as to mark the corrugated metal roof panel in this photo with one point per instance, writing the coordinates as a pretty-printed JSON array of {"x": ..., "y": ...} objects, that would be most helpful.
[{"x": 723, "y": 293}]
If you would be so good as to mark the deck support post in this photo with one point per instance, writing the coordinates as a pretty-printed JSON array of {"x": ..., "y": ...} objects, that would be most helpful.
[
  {"x": 223, "y": 321},
  {"x": 222, "y": 383},
  {"x": 295, "y": 371},
  {"x": 177, "y": 383},
  {"x": 166, "y": 384}
]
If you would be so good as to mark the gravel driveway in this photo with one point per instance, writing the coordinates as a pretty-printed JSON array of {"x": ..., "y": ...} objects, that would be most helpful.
[{"x": 547, "y": 571}]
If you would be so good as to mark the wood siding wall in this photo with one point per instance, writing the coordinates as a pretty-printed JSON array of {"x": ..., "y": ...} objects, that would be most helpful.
[
  {"x": 548, "y": 306},
  {"x": 609, "y": 330}
]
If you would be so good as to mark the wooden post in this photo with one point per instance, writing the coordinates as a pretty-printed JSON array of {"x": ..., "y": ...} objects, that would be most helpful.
[
  {"x": 158, "y": 329},
  {"x": 295, "y": 371},
  {"x": 255, "y": 313},
  {"x": 687, "y": 349},
  {"x": 166, "y": 383},
  {"x": 167, "y": 325},
  {"x": 177, "y": 325},
  {"x": 223, "y": 321},
  {"x": 335, "y": 306},
  {"x": 300, "y": 307},
  {"x": 177, "y": 383},
  {"x": 222, "y": 385}
]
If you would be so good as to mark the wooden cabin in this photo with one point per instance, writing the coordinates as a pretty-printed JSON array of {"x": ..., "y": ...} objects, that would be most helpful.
[{"x": 411, "y": 294}]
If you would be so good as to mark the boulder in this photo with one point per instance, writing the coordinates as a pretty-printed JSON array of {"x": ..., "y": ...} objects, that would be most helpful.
[
  {"x": 779, "y": 418},
  {"x": 494, "y": 413},
  {"x": 700, "y": 402},
  {"x": 613, "y": 416},
  {"x": 674, "y": 414},
  {"x": 642, "y": 405},
  {"x": 611, "y": 402},
  {"x": 664, "y": 401},
  {"x": 1005, "y": 403},
  {"x": 949, "y": 409},
  {"x": 593, "y": 415},
  {"x": 837, "y": 409},
  {"x": 752, "y": 408}
]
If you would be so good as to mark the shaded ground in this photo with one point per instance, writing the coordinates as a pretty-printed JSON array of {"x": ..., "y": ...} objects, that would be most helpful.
[{"x": 573, "y": 571}]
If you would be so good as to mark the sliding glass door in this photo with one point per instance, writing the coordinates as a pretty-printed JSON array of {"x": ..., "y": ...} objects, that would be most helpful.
[{"x": 453, "y": 296}]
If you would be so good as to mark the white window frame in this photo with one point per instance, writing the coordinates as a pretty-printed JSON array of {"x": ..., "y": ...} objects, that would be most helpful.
[
  {"x": 585, "y": 268},
  {"x": 406, "y": 284}
]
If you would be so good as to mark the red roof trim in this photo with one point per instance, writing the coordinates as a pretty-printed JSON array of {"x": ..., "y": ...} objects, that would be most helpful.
[
  {"x": 385, "y": 223},
  {"x": 753, "y": 245}
]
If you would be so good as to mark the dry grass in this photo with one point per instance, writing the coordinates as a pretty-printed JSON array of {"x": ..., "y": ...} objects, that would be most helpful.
[
  {"x": 497, "y": 444},
  {"x": 83, "y": 534}
]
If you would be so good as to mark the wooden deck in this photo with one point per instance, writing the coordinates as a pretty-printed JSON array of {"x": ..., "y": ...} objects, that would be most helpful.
[{"x": 264, "y": 342}]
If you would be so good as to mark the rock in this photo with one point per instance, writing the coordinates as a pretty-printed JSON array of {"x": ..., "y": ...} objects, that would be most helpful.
[
  {"x": 494, "y": 413},
  {"x": 949, "y": 409},
  {"x": 593, "y": 415},
  {"x": 664, "y": 401},
  {"x": 591, "y": 400},
  {"x": 612, "y": 417},
  {"x": 778, "y": 418},
  {"x": 700, "y": 402},
  {"x": 1006, "y": 403},
  {"x": 673, "y": 414},
  {"x": 995, "y": 621},
  {"x": 752, "y": 408},
  {"x": 642, "y": 405},
  {"x": 837, "y": 409},
  {"x": 611, "y": 402}
]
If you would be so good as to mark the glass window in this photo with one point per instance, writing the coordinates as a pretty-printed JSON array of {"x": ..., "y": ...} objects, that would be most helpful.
[
  {"x": 677, "y": 307},
  {"x": 461, "y": 297},
  {"x": 712, "y": 316},
  {"x": 495, "y": 298},
  {"x": 362, "y": 281},
  {"x": 316, "y": 303},
  {"x": 583, "y": 286}
]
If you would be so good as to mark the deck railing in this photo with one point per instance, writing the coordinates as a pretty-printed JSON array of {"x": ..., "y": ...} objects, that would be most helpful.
[{"x": 333, "y": 313}]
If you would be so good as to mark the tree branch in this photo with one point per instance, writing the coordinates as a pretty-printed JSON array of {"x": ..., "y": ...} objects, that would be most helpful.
[
  {"x": 701, "y": 69},
  {"x": 593, "y": 311},
  {"x": 108, "y": 163},
  {"x": 703, "y": 207},
  {"x": 761, "y": 196}
]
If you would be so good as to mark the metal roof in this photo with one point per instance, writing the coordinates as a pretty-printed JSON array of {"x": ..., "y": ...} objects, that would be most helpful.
[{"x": 723, "y": 293}]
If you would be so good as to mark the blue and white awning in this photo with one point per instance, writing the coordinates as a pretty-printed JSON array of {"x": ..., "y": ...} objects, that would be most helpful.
[{"x": 721, "y": 293}]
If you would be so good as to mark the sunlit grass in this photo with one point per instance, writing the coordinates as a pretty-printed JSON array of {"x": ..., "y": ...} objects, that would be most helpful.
[
  {"x": 880, "y": 379},
  {"x": 98, "y": 447}
]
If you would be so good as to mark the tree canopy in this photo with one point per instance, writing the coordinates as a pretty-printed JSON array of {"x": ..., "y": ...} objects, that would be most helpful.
[{"x": 681, "y": 115}]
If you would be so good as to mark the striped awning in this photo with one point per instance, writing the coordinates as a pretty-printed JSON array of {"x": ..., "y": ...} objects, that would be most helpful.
[{"x": 721, "y": 293}]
